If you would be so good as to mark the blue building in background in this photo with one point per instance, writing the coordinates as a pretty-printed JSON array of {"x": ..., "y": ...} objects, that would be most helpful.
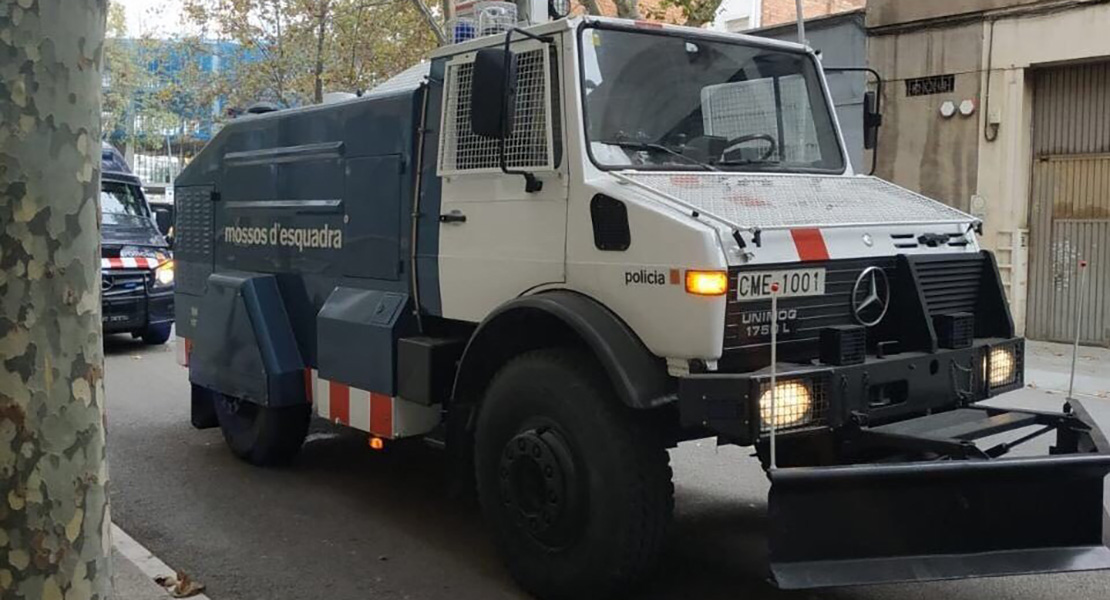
[{"x": 166, "y": 119}]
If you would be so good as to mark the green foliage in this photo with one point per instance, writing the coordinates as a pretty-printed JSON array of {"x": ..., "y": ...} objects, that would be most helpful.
[
  {"x": 289, "y": 52},
  {"x": 696, "y": 12},
  {"x": 303, "y": 48}
]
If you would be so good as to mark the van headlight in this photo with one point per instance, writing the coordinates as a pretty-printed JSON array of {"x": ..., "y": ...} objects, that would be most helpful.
[
  {"x": 793, "y": 405},
  {"x": 163, "y": 275}
]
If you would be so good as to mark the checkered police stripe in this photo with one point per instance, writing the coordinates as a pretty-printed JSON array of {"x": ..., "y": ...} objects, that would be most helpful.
[
  {"x": 378, "y": 414},
  {"x": 130, "y": 262}
]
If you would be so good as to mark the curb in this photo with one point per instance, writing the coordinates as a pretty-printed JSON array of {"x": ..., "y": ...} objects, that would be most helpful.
[{"x": 144, "y": 559}]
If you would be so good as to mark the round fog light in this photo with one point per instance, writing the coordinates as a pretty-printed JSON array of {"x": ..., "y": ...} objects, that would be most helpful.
[{"x": 793, "y": 405}]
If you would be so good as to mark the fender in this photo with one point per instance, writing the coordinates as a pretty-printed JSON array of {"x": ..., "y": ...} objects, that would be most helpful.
[
  {"x": 561, "y": 317},
  {"x": 244, "y": 344}
]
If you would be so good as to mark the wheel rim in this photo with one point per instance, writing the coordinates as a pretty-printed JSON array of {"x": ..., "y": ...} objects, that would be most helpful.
[{"x": 540, "y": 487}]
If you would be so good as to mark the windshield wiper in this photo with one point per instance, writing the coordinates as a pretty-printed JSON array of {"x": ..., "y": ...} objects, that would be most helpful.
[
  {"x": 749, "y": 161},
  {"x": 660, "y": 147}
]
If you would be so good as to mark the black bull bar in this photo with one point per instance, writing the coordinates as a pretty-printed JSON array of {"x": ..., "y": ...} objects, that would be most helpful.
[{"x": 944, "y": 519}]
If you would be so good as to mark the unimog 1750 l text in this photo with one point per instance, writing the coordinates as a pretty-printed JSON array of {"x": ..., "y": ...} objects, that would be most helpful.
[{"x": 555, "y": 251}]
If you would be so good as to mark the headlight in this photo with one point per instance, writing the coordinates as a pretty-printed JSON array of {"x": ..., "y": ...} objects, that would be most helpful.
[
  {"x": 1001, "y": 367},
  {"x": 163, "y": 275},
  {"x": 793, "y": 405}
]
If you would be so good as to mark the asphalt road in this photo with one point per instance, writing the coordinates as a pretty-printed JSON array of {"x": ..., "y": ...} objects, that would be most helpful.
[{"x": 346, "y": 522}]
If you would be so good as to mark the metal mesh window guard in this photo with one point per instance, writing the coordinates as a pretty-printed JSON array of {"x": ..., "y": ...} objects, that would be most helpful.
[{"x": 530, "y": 145}]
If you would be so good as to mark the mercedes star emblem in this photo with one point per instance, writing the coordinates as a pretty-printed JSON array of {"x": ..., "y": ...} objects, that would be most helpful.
[{"x": 870, "y": 296}]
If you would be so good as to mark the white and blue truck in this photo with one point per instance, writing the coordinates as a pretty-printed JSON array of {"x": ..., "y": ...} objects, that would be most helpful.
[{"x": 554, "y": 252}]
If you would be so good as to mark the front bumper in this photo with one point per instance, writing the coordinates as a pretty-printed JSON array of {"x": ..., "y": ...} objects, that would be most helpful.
[
  {"x": 135, "y": 308},
  {"x": 878, "y": 391}
]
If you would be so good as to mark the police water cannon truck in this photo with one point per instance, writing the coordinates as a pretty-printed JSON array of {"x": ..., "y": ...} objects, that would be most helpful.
[{"x": 558, "y": 250}]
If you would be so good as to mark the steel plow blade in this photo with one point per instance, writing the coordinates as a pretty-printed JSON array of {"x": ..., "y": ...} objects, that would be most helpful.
[{"x": 884, "y": 523}]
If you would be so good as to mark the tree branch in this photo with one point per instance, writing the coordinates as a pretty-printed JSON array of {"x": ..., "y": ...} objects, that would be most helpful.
[{"x": 430, "y": 19}]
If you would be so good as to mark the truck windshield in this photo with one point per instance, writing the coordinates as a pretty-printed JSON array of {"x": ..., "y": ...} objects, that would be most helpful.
[
  {"x": 660, "y": 100},
  {"x": 118, "y": 198}
]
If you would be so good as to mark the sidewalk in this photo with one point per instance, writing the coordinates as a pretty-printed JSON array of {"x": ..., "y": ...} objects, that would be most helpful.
[
  {"x": 1048, "y": 365},
  {"x": 134, "y": 569}
]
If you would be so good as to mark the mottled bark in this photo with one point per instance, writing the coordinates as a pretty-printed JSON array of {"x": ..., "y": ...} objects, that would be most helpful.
[{"x": 54, "y": 541}]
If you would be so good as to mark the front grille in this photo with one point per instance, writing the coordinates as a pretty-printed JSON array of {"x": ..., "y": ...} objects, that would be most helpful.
[
  {"x": 117, "y": 283},
  {"x": 801, "y": 319},
  {"x": 950, "y": 285}
]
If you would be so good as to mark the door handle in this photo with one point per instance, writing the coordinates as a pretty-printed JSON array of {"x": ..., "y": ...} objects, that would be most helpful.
[{"x": 453, "y": 217}]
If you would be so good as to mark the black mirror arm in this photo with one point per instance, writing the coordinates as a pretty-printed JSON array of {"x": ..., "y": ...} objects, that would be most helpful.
[{"x": 531, "y": 183}]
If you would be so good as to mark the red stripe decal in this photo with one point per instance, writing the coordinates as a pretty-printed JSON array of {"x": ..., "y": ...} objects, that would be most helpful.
[
  {"x": 381, "y": 415},
  {"x": 810, "y": 244},
  {"x": 339, "y": 403}
]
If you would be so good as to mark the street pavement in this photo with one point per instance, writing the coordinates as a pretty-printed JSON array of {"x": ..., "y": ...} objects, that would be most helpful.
[{"x": 346, "y": 522}]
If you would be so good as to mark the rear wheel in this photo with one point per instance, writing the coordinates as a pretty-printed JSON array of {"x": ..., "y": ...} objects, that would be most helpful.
[
  {"x": 261, "y": 435},
  {"x": 576, "y": 486}
]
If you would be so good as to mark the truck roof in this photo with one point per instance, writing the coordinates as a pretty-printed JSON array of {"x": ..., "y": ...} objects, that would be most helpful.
[{"x": 649, "y": 26}]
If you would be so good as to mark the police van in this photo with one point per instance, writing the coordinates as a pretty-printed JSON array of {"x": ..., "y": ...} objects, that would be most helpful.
[
  {"x": 136, "y": 266},
  {"x": 561, "y": 249}
]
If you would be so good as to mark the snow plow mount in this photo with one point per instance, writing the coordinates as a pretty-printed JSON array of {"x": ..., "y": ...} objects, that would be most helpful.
[{"x": 962, "y": 513}]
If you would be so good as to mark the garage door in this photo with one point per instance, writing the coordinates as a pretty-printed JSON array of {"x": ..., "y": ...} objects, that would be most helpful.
[{"x": 1070, "y": 204}]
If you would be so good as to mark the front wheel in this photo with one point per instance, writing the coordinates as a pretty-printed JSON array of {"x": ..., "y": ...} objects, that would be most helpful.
[
  {"x": 576, "y": 486},
  {"x": 156, "y": 335},
  {"x": 261, "y": 435}
]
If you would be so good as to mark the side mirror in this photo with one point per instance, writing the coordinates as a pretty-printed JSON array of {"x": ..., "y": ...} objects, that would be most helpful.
[
  {"x": 872, "y": 120},
  {"x": 493, "y": 93}
]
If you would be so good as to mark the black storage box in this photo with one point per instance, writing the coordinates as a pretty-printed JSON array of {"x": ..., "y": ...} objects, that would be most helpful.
[
  {"x": 954, "y": 330},
  {"x": 843, "y": 345}
]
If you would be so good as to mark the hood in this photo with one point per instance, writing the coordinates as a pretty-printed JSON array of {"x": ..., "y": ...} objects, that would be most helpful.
[
  {"x": 128, "y": 230},
  {"x": 756, "y": 201}
]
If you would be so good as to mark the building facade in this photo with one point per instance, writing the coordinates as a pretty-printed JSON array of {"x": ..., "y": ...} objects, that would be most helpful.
[{"x": 1002, "y": 108}]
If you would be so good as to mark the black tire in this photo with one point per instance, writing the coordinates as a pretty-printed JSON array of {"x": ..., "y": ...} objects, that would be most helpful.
[
  {"x": 156, "y": 335},
  {"x": 576, "y": 486},
  {"x": 261, "y": 435}
]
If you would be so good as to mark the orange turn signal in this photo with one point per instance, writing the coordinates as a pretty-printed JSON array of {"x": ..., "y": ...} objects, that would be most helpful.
[
  {"x": 707, "y": 283},
  {"x": 377, "y": 443}
]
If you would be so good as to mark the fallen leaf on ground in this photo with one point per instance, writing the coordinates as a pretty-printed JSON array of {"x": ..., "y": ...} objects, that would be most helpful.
[{"x": 186, "y": 587}]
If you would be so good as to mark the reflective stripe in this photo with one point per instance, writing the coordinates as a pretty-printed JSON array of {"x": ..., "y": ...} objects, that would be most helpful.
[
  {"x": 130, "y": 262},
  {"x": 379, "y": 414},
  {"x": 182, "y": 348},
  {"x": 810, "y": 244},
  {"x": 339, "y": 402}
]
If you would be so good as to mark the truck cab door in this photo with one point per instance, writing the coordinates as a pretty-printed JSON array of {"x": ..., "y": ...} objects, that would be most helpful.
[{"x": 497, "y": 240}]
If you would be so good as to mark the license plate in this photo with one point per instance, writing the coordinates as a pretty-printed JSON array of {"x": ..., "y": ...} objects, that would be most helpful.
[
  {"x": 115, "y": 318},
  {"x": 756, "y": 285}
]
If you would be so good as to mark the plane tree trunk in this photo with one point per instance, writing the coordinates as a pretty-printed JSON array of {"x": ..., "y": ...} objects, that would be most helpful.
[{"x": 54, "y": 539}]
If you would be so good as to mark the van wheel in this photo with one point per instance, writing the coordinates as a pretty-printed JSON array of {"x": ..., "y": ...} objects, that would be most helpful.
[
  {"x": 261, "y": 435},
  {"x": 576, "y": 486},
  {"x": 156, "y": 335}
]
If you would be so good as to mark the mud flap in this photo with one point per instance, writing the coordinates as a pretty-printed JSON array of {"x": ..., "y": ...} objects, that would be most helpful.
[{"x": 882, "y": 523}]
